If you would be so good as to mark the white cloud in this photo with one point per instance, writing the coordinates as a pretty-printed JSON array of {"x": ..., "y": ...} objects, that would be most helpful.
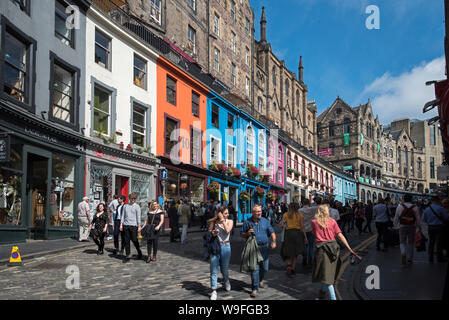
[{"x": 402, "y": 96}]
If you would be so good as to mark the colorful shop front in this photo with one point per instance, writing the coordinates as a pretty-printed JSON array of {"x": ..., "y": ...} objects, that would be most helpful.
[
  {"x": 113, "y": 171},
  {"x": 236, "y": 156},
  {"x": 41, "y": 177}
]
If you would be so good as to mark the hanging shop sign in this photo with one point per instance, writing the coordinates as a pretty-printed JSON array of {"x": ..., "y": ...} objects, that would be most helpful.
[
  {"x": 5, "y": 145},
  {"x": 347, "y": 167},
  {"x": 325, "y": 152},
  {"x": 378, "y": 146},
  {"x": 361, "y": 139},
  {"x": 346, "y": 139}
]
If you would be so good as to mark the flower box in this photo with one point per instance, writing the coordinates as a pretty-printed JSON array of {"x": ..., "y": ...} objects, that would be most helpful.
[{"x": 259, "y": 192}]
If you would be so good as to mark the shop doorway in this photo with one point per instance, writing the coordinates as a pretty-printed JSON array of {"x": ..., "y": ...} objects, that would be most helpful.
[
  {"x": 37, "y": 190},
  {"x": 122, "y": 186}
]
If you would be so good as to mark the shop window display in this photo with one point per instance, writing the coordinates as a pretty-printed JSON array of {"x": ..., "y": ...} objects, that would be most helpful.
[
  {"x": 62, "y": 204},
  {"x": 11, "y": 186}
]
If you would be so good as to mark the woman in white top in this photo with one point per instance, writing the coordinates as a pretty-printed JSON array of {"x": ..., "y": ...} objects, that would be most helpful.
[{"x": 220, "y": 226}]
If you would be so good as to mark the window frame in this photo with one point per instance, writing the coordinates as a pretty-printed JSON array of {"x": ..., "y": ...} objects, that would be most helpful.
[
  {"x": 74, "y": 108},
  {"x": 194, "y": 130},
  {"x": 198, "y": 104},
  {"x": 63, "y": 16},
  {"x": 108, "y": 50},
  {"x": 145, "y": 72},
  {"x": 152, "y": 6},
  {"x": 192, "y": 4},
  {"x": 24, "y": 5},
  {"x": 31, "y": 44},
  {"x": 178, "y": 124},
  {"x": 217, "y": 114},
  {"x": 234, "y": 160},
  {"x": 112, "y": 103},
  {"x": 233, "y": 41},
  {"x": 148, "y": 110},
  {"x": 169, "y": 88},
  {"x": 216, "y": 24},
  {"x": 216, "y": 60},
  {"x": 230, "y": 131},
  {"x": 211, "y": 138},
  {"x": 191, "y": 30},
  {"x": 233, "y": 10}
]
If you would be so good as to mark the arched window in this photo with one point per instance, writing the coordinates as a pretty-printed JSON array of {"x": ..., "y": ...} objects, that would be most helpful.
[
  {"x": 287, "y": 85},
  {"x": 362, "y": 169},
  {"x": 280, "y": 153},
  {"x": 249, "y": 145},
  {"x": 332, "y": 181},
  {"x": 261, "y": 144},
  {"x": 327, "y": 180},
  {"x": 289, "y": 160},
  {"x": 347, "y": 125},
  {"x": 321, "y": 176},
  {"x": 310, "y": 171},
  {"x": 273, "y": 71},
  {"x": 374, "y": 197},
  {"x": 331, "y": 128},
  {"x": 274, "y": 106},
  {"x": 368, "y": 172},
  {"x": 303, "y": 167},
  {"x": 316, "y": 174},
  {"x": 296, "y": 162},
  {"x": 259, "y": 104},
  {"x": 368, "y": 195}
]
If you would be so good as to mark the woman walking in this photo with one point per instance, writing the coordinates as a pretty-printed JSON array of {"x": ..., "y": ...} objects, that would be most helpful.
[
  {"x": 327, "y": 251},
  {"x": 220, "y": 227},
  {"x": 100, "y": 224},
  {"x": 295, "y": 237},
  {"x": 154, "y": 221},
  {"x": 359, "y": 216}
]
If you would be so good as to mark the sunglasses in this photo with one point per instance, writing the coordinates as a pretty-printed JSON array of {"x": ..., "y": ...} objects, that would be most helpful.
[{"x": 132, "y": 198}]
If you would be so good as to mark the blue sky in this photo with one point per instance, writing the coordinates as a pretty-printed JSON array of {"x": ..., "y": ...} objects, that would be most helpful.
[{"x": 342, "y": 57}]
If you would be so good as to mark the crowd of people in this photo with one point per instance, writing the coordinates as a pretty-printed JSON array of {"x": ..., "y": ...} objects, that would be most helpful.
[{"x": 316, "y": 231}]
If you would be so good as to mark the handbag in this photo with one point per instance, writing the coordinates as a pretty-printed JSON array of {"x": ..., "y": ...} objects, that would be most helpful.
[{"x": 149, "y": 232}]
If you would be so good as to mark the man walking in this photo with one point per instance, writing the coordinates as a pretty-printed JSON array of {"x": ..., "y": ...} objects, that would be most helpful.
[
  {"x": 407, "y": 218},
  {"x": 184, "y": 209},
  {"x": 130, "y": 225},
  {"x": 173, "y": 217},
  {"x": 117, "y": 217},
  {"x": 368, "y": 216},
  {"x": 382, "y": 219},
  {"x": 84, "y": 220},
  {"x": 309, "y": 214},
  {"x": 261, "y": 228},
  {"x": 435, "y": 216}
]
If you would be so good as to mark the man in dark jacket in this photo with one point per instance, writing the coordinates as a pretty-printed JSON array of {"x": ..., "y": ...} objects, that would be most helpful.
[
  {"x": 368, "y": 216},
  {"x": 173, "y": 217}
]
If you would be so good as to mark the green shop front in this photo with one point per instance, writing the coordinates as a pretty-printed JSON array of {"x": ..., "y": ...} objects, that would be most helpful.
[{"x": 41, "y": 178}]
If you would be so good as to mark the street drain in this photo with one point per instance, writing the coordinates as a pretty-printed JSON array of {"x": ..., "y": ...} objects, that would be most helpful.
[{"x": 49, "y": 265}]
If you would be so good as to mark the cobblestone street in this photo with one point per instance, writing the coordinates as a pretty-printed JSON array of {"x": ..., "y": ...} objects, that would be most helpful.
[{"x": 178, "y": 274}]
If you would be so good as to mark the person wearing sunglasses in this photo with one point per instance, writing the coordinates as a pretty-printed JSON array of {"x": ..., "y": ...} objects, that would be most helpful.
[{"x": 130, "y": 225}]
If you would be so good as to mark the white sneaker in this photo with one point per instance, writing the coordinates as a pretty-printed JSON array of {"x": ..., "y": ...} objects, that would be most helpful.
[
  {"x": 228, "y": 286},
  {"x": 213, "y": 296}
]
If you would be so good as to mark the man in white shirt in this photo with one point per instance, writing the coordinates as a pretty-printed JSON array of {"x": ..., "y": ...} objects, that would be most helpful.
[
  {"x": 84, "y": 219},
  {"x": 407, "y": 218},
  {"x": 333, "y": 213},
  {"x": 308, "y": 213}
]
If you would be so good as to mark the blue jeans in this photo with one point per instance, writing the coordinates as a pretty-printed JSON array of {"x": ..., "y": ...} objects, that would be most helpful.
[
  {"x": 221, "y": 260},
  {"x": 258, "y": 274},
  {"x": 310, "y": 246},
  {"x": 329, "y": 288}
]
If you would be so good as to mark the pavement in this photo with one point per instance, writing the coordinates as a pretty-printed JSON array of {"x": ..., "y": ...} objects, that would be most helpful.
[
  {"x": 181, "y": 274},
  {"x": 421, "y": 280}
]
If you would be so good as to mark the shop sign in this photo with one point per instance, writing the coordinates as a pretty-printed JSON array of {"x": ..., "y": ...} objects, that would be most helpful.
[
  {"x": 346, "y": 139},
  {"x": 347, "y": 167},
  {"x": 325, "y": 152},
  {"x": 362, "y": 179},
  {"x": 361, "y": 139},
  {"x": 40, "y": 135},
  {"x": 163, "y": 174},
  {"x": 5, "y": 143}
]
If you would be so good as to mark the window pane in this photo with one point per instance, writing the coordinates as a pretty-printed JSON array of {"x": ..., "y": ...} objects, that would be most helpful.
[
  {"x": 139, "y": 72},
  {"x": 101, "y": 100},
  {"x": 62, "y": 93},
  {"x": 170, "y": 125},
  {"x": 171, "y": 90},
  {"x": 61, "y": 30},
  {"x": 15, "y": 68},
  {"x": 101, "y": 49}
]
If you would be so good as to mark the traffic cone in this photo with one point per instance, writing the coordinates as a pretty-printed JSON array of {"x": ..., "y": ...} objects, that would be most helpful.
[{"x": 15, "y": 259}]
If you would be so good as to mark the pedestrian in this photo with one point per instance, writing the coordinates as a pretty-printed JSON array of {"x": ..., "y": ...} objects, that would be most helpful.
[
  {"x": 327, "y": 251},
  {"x": 111, "y": 209},
  {"x": 173, "y": 218},
  {"x": 308, "y": 213},
  {"x": 130, "y": 225},
  {"x": 435, "y": 216},
  {"x": 334, "y": 214},
  {"x": 353, "y": 206},
  {"x": 359, "y": 217},
  {"x": 261, "y": 228},
  {"x": 184, "y": 210},
  {"x": 84, "y": 220},
  {"x": 203, "y": 217},
  {"x": 295, "y": 237},
  {"x": 117, "y": 217},
  {"x": 153, "y": 225},
  {"x": 407, "y": 218},
  {"x": 100, "y": 224},
  {"x": 382, "y": 220},
  {"x": 368, "y": 216},
  {"x": 220, "y": 226}
]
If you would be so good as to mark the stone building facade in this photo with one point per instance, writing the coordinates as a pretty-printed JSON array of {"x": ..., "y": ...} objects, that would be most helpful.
[
  {"x": 353, "y": 137},
  {"x": 404, "y": 162},
  {"x": 281, "y": 95},
  {"x": 217, "y": 34}
]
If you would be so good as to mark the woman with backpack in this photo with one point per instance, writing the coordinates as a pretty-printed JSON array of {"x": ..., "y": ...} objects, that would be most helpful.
[
  {"x": 407, "y": 218},
  {"x": 359, "y": 216}
]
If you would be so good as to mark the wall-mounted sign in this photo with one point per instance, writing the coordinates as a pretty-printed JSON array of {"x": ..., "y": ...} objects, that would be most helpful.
[
  {"x": 361, "y": 139},
  {"x": 346, "y": 139},
  {"x": 347, "y": 167},
  {"x": 325, "y": 152},
  {"x": 5, "y": 145},
  {"x": 378, "y": 146}
]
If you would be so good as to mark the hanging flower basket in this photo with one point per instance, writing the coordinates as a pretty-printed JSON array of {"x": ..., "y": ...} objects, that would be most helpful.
[
  {"x": 265, "y": 177},
  {"x": 222, "y": 168},
  {"x": 252, "y": 170},
  {"x": 244, "y": 196},
  {"x": 213, "y": 167},
  {"x": 259, "y": 192},
  {"x": 234, "y": 172},
  {"x": 213, "y": 187}
]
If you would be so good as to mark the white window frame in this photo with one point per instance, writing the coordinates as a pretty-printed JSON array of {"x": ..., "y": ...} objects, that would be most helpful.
[
  {"x": 145, "y": 124},
  {"x": 234, "y": 159},
  {"x": 233, "y": 11},
  {"x": 252, "y": 144},
  {"x": 247, "y": 86},
  {"x": 217, "y": 60},
  {"x": 219, "y": 149},
  {"x": 155, "y": 9},
  {"x": 192, "y": 4},
  {"x": 108, "y": 133},
  {"x": 191, "y": 31},
  {"x": 262, "y": 149},
  {"x": 233, "y": 37},
  {"x": 217, "y": 24}
]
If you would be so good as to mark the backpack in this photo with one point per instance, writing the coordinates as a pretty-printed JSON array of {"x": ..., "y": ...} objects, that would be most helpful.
[{"x": 407, "y": 217}]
